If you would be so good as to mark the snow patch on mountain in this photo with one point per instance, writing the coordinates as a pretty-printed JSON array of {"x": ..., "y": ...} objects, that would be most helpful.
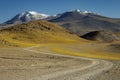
[
  {"x": 33, "y": 15},
  {"x": 82, "y": 12},
  {"x": 26, "y": 17}
]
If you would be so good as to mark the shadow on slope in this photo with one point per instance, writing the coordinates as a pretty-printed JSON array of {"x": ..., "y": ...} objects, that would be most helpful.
[
  {"x": 104, "y": 36},
  {"x": 114, "y": 48}
]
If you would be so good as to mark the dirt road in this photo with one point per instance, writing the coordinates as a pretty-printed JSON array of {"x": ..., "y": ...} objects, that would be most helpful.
[
  {"x": 31, "y": 64},
  {"x": 80, "y": 73}
]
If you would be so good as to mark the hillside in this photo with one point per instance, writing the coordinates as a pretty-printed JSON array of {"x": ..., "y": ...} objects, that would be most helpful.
[{"x": 36, "y": 32}]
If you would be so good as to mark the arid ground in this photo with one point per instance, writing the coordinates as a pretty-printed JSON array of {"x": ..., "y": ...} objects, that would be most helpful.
[{"x": 57, "y": 62}]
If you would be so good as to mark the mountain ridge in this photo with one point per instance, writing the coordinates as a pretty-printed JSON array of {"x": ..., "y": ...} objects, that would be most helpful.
[
  {"x": 76, "y": 21},
  {"x": 44, "y": 16}
]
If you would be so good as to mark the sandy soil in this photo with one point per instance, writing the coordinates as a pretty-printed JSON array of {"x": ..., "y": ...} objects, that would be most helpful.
[
  {"x": 29, "y": 64},
  {"x": 111, "y": 74}
]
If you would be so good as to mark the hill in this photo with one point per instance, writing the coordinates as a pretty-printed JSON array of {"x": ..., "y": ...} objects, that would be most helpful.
[
  {"x": 35, "y": 32},
  {"x": 104, "y": 36}
]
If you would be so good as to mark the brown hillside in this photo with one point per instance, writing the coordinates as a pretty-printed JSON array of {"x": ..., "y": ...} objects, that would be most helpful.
[{"x": 34, "y": 33}]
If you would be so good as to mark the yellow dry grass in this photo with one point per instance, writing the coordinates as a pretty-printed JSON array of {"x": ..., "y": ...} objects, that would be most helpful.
[
  {"x": 33, "y": 33},
  {"x": 44, "y": 33},
  {"x": 102, "y": 55},
  {"x": 85, "y": 50}
]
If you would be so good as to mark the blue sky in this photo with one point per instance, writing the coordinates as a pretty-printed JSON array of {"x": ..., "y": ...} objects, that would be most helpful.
[{"x": 9, "y": 8}]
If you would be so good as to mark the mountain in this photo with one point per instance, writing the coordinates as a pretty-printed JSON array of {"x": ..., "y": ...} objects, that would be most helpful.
[
  {"x": 35, "y": 32},
  {"x": 26, "y": 17},
  {"x": 82, "y": 22},
  {"x": 76, "y": 21},
  {"x": 104, "y": 36}
]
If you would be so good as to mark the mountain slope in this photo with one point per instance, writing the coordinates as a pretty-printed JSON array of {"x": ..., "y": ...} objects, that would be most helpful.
[
  {"x": 34, "y": 33},
  {"x": 81, "y": 22}
]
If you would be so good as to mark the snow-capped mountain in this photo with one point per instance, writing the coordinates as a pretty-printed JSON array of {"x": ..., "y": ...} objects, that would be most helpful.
[
  {"x": 73, "y": 13},
  {"x": 76, "y": 21},
  {"x": 81, "y": 22},
  {"x": 26, "y": 17},
  {"x": 32, "y": 16},
  {"x": 78, "y": 12}
]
